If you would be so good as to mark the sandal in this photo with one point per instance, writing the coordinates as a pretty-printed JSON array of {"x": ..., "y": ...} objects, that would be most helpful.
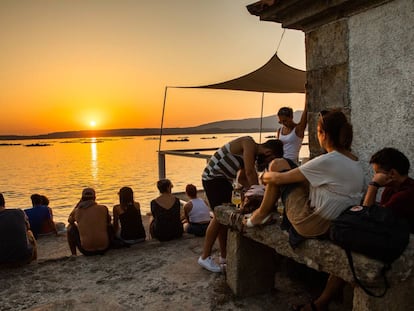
[{"x": 266, "y": 221}]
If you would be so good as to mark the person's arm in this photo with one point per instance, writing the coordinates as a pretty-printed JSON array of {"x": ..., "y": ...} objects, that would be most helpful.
[
  {"x": 108, "y": 222},
  {"x": 378, "y": 180},
  {"x": 187, "y": 209},
  {"x": 115, "y": 223},
  {"x": 242, "y": 178},
  {"x": 50, "y": 221},
  {"x": 26, "y": 220},
  {"x": 249, "y": 159},
  {"x": 71, "y": 218},
  {"x": 301, "y": 126},
  {"x": 277, "y": 178}
]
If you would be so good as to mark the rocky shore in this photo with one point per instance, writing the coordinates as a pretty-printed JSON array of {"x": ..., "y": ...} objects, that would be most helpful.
[{"x": 147, "y": 276}]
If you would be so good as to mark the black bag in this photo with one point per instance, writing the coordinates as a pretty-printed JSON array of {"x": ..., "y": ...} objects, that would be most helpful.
[{"x": 373, "y": 231}]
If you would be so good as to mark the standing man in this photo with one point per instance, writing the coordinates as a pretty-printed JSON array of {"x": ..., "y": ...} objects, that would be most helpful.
[
  {"x": 89, "y": 226},
  {"x": 236, "y": 158},
  {"x": 17, "y": 243}
]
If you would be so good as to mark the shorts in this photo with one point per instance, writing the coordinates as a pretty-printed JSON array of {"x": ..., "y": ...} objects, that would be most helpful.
[
  {"x": 73, "y": 233},
  {"x": 218, "y": 191},
  {"x": 197, "y": 229},
  {"x": 301, "y": 215}
]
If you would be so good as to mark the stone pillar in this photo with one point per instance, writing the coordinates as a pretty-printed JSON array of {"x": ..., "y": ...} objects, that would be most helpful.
[
  {"x": 327, "y": 74},
  {"x": 250, "y": 266}
]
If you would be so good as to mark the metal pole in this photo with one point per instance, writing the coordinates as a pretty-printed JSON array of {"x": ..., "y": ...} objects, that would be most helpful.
[
  {"x": 162, "y": 118},
  {"x": 261, "y": 119}
]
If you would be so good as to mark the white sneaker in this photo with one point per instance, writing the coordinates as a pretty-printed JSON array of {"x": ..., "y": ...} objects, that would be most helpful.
[{"x": 209, "y": 264}]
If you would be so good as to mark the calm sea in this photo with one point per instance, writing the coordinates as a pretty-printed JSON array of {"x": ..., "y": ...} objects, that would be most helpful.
[{"x": 63, "y": 168}]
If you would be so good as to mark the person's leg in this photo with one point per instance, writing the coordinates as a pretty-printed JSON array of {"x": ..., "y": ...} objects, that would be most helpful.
[
  {"x": 187, "y": 228},
  {"x": 271, "y": 195},
  {"x": 333, "y": 288},
  {"x": 211, "y": 235}
]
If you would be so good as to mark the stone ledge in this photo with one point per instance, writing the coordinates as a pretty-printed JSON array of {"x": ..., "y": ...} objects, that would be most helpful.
[{"x": 323, "y": 255}]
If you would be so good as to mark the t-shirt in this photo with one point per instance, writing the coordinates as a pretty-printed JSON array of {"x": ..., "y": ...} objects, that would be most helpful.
[
  {"x": 401, "y": 201},
  {"x": 336, "y": 182},
  {"x": 14, "y": 245},
  {"x": 37, "y": 216}
]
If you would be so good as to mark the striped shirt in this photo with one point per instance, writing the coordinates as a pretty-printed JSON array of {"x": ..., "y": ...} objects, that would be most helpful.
[{"x": 223, "y": 164}]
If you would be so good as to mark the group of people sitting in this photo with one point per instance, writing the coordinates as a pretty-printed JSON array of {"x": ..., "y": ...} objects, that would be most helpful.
[
  {"x": 313, "y": 194},
  {"x": 92, "y": 230}
]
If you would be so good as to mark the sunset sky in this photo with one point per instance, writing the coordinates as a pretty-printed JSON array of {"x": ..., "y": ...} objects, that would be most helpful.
[{"x": 81, "y": 64}]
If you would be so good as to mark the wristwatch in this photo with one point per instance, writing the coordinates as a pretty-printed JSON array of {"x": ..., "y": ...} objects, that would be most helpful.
[{"x": 375, "y": 184}]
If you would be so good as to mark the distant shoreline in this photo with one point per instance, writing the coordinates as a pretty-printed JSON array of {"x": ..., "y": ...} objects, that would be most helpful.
[
  {"x": 250, "y": 125},
  {"x": 132, "y": 132}
]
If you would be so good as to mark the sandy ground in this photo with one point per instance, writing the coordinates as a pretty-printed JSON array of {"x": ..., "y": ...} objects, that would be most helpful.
[{"x": 147, "y": 276}]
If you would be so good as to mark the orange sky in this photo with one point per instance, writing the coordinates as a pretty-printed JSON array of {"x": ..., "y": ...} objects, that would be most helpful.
[{"x": 67, "y": 63}]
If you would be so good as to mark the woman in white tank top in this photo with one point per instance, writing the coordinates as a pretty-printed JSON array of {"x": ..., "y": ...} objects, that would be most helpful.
[{"x": 291, "y": 133}]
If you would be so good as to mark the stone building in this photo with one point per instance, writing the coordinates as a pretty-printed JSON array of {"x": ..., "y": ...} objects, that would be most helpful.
[{"x": 359, "y": 57}]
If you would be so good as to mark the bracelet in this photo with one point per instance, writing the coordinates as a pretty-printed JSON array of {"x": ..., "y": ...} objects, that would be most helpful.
[{"x": 375, "y": 184}]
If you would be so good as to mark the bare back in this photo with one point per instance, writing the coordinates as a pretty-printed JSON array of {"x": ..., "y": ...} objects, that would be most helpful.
[{"x": 93, "y": 224}]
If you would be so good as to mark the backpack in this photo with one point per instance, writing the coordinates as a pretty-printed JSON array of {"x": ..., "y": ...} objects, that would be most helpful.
[{"x": 372, "y": 231}]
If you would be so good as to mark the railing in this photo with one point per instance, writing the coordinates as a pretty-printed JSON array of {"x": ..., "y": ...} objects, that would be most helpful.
[{"x": 192, "y": 153}]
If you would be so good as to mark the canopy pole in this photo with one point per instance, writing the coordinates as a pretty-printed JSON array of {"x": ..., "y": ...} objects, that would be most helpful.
[
  {"x": 261, "y": 119},
  {"x": 280, "y": 41},
  {"x": 162, "y": 118}
]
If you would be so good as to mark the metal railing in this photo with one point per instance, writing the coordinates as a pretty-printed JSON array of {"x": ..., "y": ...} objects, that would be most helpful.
[{"x": 192, "y": 153}]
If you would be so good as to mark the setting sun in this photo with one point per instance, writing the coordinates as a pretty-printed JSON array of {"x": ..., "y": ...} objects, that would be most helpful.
[{"x": 92, "y": 123}]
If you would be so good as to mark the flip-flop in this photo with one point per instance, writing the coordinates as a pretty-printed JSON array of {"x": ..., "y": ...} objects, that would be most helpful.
[{"x": 266, "y": 221}]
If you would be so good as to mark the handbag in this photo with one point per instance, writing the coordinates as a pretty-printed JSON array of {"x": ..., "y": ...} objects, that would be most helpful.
[{"x": 372, "y": 231}]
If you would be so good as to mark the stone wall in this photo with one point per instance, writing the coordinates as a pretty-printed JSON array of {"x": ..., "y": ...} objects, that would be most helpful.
[
  {"x": 364, "y": 64},
  {"x": 381, "y": 78},
  {"x": 359, "y": 57}
]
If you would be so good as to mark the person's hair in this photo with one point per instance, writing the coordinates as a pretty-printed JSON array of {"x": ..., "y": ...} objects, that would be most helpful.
[
  {"x": 191, "y": 190},
  {"x": 36, "y": 199},
  {"x": 391, "y": 158},
  {"x": 275, "y": 145},
  {"x": 2, "y": 202},
  {"x": 335, "y": 124},
  {"x": 163, "y": 185},
  {"x": 45, "y": 200},
  {"x": 286, "y": 112},
  {"x": 126, "y": 196}
]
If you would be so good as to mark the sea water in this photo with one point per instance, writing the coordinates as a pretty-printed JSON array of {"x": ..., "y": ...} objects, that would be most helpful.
[{"x": 62, "y": 168}]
